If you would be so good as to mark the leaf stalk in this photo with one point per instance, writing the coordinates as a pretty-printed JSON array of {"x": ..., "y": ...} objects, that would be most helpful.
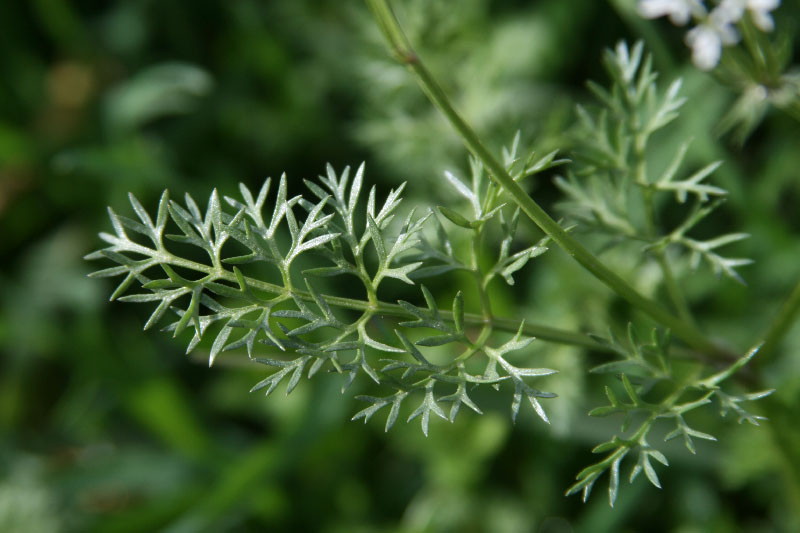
[{"x": 403, "y": 51}]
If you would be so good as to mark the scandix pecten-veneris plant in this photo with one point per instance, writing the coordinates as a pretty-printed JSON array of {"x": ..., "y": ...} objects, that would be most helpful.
[{"x": 201, "y": 271}]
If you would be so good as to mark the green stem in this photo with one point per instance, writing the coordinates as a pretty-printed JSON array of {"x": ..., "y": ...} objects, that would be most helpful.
[
  {"x": 474, "y": 348},
  {"x": 780, "y": 324},
  {"x": 486, "y": 305},
  {"x": 368, "y": 283},
  {"x": 405, "y": 54},
  {"x": 379, "y": 308},
  {"x": 673, "y": 290}
]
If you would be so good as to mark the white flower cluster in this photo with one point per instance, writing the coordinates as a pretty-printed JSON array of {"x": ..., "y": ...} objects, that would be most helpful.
[{"x": 715, "y": 27}]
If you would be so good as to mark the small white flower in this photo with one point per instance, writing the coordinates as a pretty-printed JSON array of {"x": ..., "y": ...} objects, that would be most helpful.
[
  {"x": 722, "y": 19},
  {"x": 715, "y": 29},
  {"x": 706, "y": 46},
  {"x": 759, "y": 12},
  {"x": 679, "y": 11},
  {"x": 706, "y": 39},
  {"x": 729, "y": 11}
]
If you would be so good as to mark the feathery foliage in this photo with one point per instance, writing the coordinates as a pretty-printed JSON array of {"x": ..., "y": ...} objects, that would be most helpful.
[
  {"x": 422, "y": 353},
  {"x": 644, "y": 369},
  {"x": 615, "y": 192},
  {"x": 215, "y": 295}
]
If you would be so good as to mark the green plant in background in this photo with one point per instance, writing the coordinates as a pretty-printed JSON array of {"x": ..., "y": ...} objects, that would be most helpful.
[
  {"x": 501, "y": 92},
  {"x": 421, "y": 353}
]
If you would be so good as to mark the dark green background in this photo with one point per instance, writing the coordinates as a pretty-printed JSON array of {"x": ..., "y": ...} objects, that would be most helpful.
[{"x": 106, "y": 428}]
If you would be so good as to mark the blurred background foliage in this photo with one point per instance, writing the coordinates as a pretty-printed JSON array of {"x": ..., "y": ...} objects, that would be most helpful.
[{"x": 105, "y": 428}]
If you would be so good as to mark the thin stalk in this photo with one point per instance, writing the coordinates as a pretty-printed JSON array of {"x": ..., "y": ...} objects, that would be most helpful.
[
  {"x": 673, "y": 290},
  {"x": 486, "y": 305},
  {"x": 475, "y": 347},
  {"x": 780, "y": 324},
  {"x": 670, "y": 283},
  {"x": 405, "y": 54},
  {"x": 380, "y": 308},
  {"x": 365, "y": 279}
]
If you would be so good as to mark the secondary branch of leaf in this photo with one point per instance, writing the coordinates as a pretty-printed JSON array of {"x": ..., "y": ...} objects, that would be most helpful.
[
  {"x": 474, "y": 347},
  {"x": 663, "y": 409},
  {"x": 640, "y": 178},
  {"x": 671, "y": 284},
  {"x": 368, "y": 283},
  {"x": 405, "y": 53},
  {"x": 486, "y": 306}
]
